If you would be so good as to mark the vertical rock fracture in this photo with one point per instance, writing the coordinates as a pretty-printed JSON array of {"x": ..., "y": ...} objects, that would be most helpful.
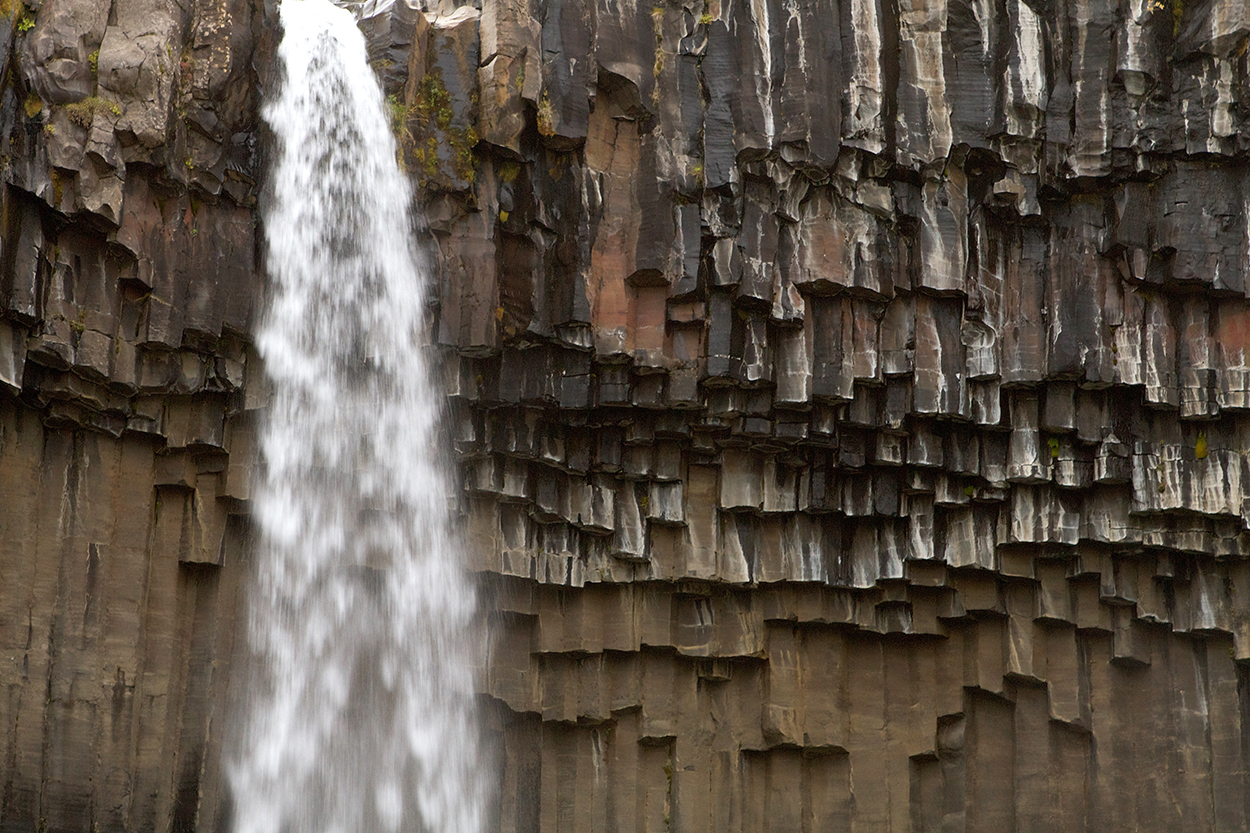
[{"x": 360, "y": 717}]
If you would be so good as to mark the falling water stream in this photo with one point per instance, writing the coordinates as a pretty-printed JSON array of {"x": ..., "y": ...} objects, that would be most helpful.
[{"x": 359, "y": 714}]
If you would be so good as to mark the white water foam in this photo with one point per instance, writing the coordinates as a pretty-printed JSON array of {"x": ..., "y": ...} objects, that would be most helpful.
[{"x": 359, "y": 715}]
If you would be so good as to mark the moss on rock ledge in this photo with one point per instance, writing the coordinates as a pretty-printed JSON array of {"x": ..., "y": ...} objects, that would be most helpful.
[{"x": 434, "y": 123}]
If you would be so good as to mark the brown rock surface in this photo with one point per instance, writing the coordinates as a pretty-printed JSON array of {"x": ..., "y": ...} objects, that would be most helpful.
[
  {"x": 851, "y": 401},
  {"x": 127, "y": 297}
]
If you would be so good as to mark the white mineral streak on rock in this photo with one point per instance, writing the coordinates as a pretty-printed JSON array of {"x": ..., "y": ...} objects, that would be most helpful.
[
  {"x": 764, "y": 78},
  {"x": 360, "y": 716},
  {"x": 943, "y": 232},
  {"x": 864, "y": 551},
  {"x": 862, "y": 127},
  {"x": 1138, "y": 57},
  {"x": 12, "y": 357},
  {"x": 1227, "y": 24},
  {"x": 1026, "y": 77},
  {"x": 1233, "y": 338},
  {"x": 1092, "y": 136},
  {"x": 1223, "y": 120},
  {"x": 922, "y": 24}
]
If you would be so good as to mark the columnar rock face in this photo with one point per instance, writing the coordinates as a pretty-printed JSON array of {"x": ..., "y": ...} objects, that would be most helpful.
[
  {"x": 852, "y": 402},
  {"x": 128, "y": 398}
]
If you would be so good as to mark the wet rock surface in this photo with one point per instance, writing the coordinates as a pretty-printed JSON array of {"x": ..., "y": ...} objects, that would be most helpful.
[{"x": 851, "y": 402}]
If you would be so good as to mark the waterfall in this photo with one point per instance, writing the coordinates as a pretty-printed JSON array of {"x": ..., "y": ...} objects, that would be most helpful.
[{"x": 359, "y": 710}]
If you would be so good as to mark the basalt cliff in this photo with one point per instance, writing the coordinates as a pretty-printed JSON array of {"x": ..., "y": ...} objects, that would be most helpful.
[{"x": 851, "y": 400}]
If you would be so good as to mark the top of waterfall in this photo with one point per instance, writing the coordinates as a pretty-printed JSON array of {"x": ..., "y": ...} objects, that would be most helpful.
[
  {"x": 373, "y": 8},
  {"x": 457, "y": 17}
]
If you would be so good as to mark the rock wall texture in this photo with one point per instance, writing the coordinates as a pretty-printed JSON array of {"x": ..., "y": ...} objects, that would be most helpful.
[
  {"x": 852, "y": 401},
  {"x": 128, "y": 283}
]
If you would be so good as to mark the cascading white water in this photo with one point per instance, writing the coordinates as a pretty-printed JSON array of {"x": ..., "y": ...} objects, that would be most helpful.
[{"x": 359, "y": 716}]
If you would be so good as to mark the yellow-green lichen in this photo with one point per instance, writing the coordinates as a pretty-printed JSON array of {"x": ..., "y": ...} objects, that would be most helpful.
[
  {"x": 58, "y": 184},
  {"x": 82, "y": 113},
  {"x": 431, "y": 105},
  {"x": 423, "y": 123},
  {"x": 463, "y": 160},
  {"x": 509, "y": 171},
  {"x": 546, "y": 116},
  {"x": 657, "y": 21},
  {"x": 398, "y": 112},
  {"x": 431, "y": 158}
]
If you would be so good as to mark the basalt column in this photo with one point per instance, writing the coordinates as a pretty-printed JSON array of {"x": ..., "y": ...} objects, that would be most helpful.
[
  {"x": 853, "y": 405},
  {"x": 851, "y": 399},
  {"x": 128, "y": 401}
]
